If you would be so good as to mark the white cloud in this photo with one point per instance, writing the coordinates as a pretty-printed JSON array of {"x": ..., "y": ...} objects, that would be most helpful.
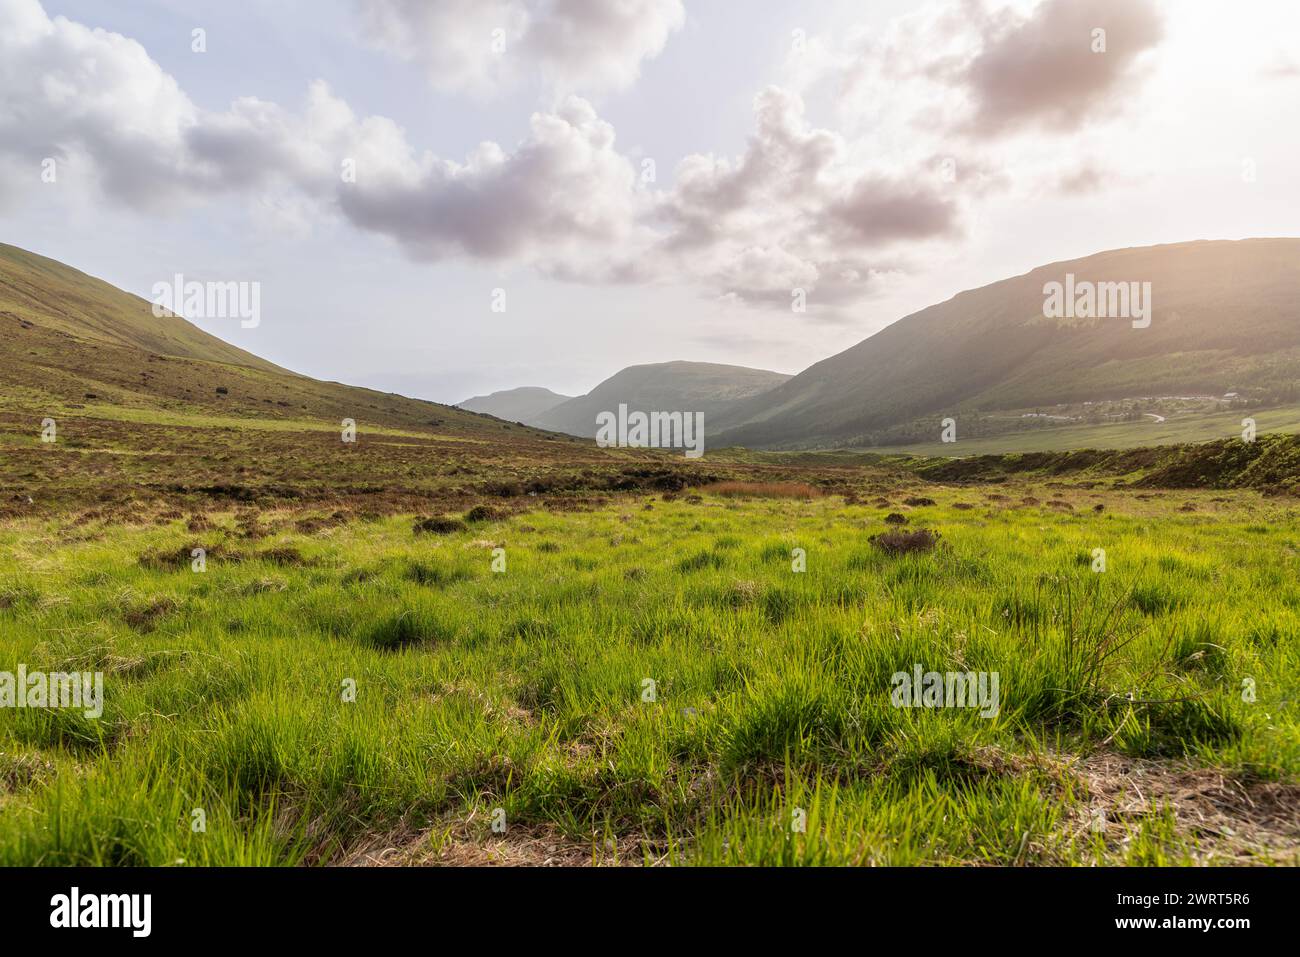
[
  {"x": 483, "y": 46},
  {"x": 564, "y": 190},
  {"x": 94, "y": 99},
  {"x": 974, "y": 68},
  {"x": 558, "y": 200},
  {"x": 795, "y": 212},
  {"x": 790, "y": 212},
  {"x": 801, "y": 207}
]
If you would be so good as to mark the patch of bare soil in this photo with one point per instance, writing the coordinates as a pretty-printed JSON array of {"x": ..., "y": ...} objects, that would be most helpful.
[
  {"x": 1224, "y": 818},
  {"x": 472, "y": 843}
]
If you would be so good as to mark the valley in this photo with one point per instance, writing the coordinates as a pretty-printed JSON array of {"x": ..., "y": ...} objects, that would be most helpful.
[{"x": 373, "y": 647}]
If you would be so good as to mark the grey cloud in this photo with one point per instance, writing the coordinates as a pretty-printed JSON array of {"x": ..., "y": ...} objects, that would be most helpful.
[
  {"x": 881, "y": 211},
  {"x": 565, "y": 184},
  {"x": 1041, "y": 69}
]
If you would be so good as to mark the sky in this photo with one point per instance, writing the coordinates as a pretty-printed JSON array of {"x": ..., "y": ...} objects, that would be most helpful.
[{"x": 448, "y": 197}]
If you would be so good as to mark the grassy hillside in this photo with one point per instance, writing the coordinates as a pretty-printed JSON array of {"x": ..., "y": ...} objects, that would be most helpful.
[
  {"x": 1271, "y": 465},
  {"x": 34, "y": 289},
  {"x": 1119, "y": 435},
  {"x": 71, "y": 345},
  {"x": 704, "y": 387},
  {"x": 1226, "y": 318}
]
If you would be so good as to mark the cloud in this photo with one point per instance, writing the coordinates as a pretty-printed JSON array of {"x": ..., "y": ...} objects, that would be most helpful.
[
  {"x": 790, "y": 213},
  {"x": 880, "y": 211},
  {"x": 484, "y": 46},
  {"x": 93, "y": 98},
  {"x": 796, "y": 210},
  {"x": 97, "y": 98},
  {"x": 969, "y": 69},
  {"x": 564, "y": 188},
  {"x": 1048, "y": 69},
  {"x": 1087, "y": 178}
]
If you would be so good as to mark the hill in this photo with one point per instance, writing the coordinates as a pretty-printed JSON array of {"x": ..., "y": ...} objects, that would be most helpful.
[
  {"x": 524, "y": 404},
  {"x": 704, "y": 387},
  {"x": 152, "y": 414},
  {"x": 73, "y": 344},
  {"x": 1225, "y": 318},
  {"x": 62, "y": 299}
]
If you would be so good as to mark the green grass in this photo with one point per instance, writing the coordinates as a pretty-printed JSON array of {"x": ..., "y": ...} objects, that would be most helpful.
[
  {"x": 1120, "y": 435},
  {"x": 528, "y": 690}
]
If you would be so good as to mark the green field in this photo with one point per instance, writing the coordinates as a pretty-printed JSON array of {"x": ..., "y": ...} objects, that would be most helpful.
[
  {"x": 1121, "y": 435},
  {"x": 522, "y": 697}
]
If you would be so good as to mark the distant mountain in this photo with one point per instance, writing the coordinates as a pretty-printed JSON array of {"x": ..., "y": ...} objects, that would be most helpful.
[
  {"x": 524, "y": 404},
  {"x": 73, "y": 344},
  {"x": 704, "y": 387},
  {"x": 1225, "y": 317}
]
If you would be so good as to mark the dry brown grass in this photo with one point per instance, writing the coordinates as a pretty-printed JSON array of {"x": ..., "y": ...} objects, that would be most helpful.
[
  {"x": 1225, "y": 818},
  {"x": 901, "y": 542},
  {"x": 1219, "y": 817},
  {"x": 471, "y": 843},
  {"x": 765, "y": 490}
]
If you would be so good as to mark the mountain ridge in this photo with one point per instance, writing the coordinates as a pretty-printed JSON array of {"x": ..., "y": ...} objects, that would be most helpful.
[
  {"x": 679, "y": 385},
  {"x": 522, "y": 404},
  {"x": 1224, "y": 322},
  {"x": 74, "y": 344},
  {"x": 991, "y": 348}
]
